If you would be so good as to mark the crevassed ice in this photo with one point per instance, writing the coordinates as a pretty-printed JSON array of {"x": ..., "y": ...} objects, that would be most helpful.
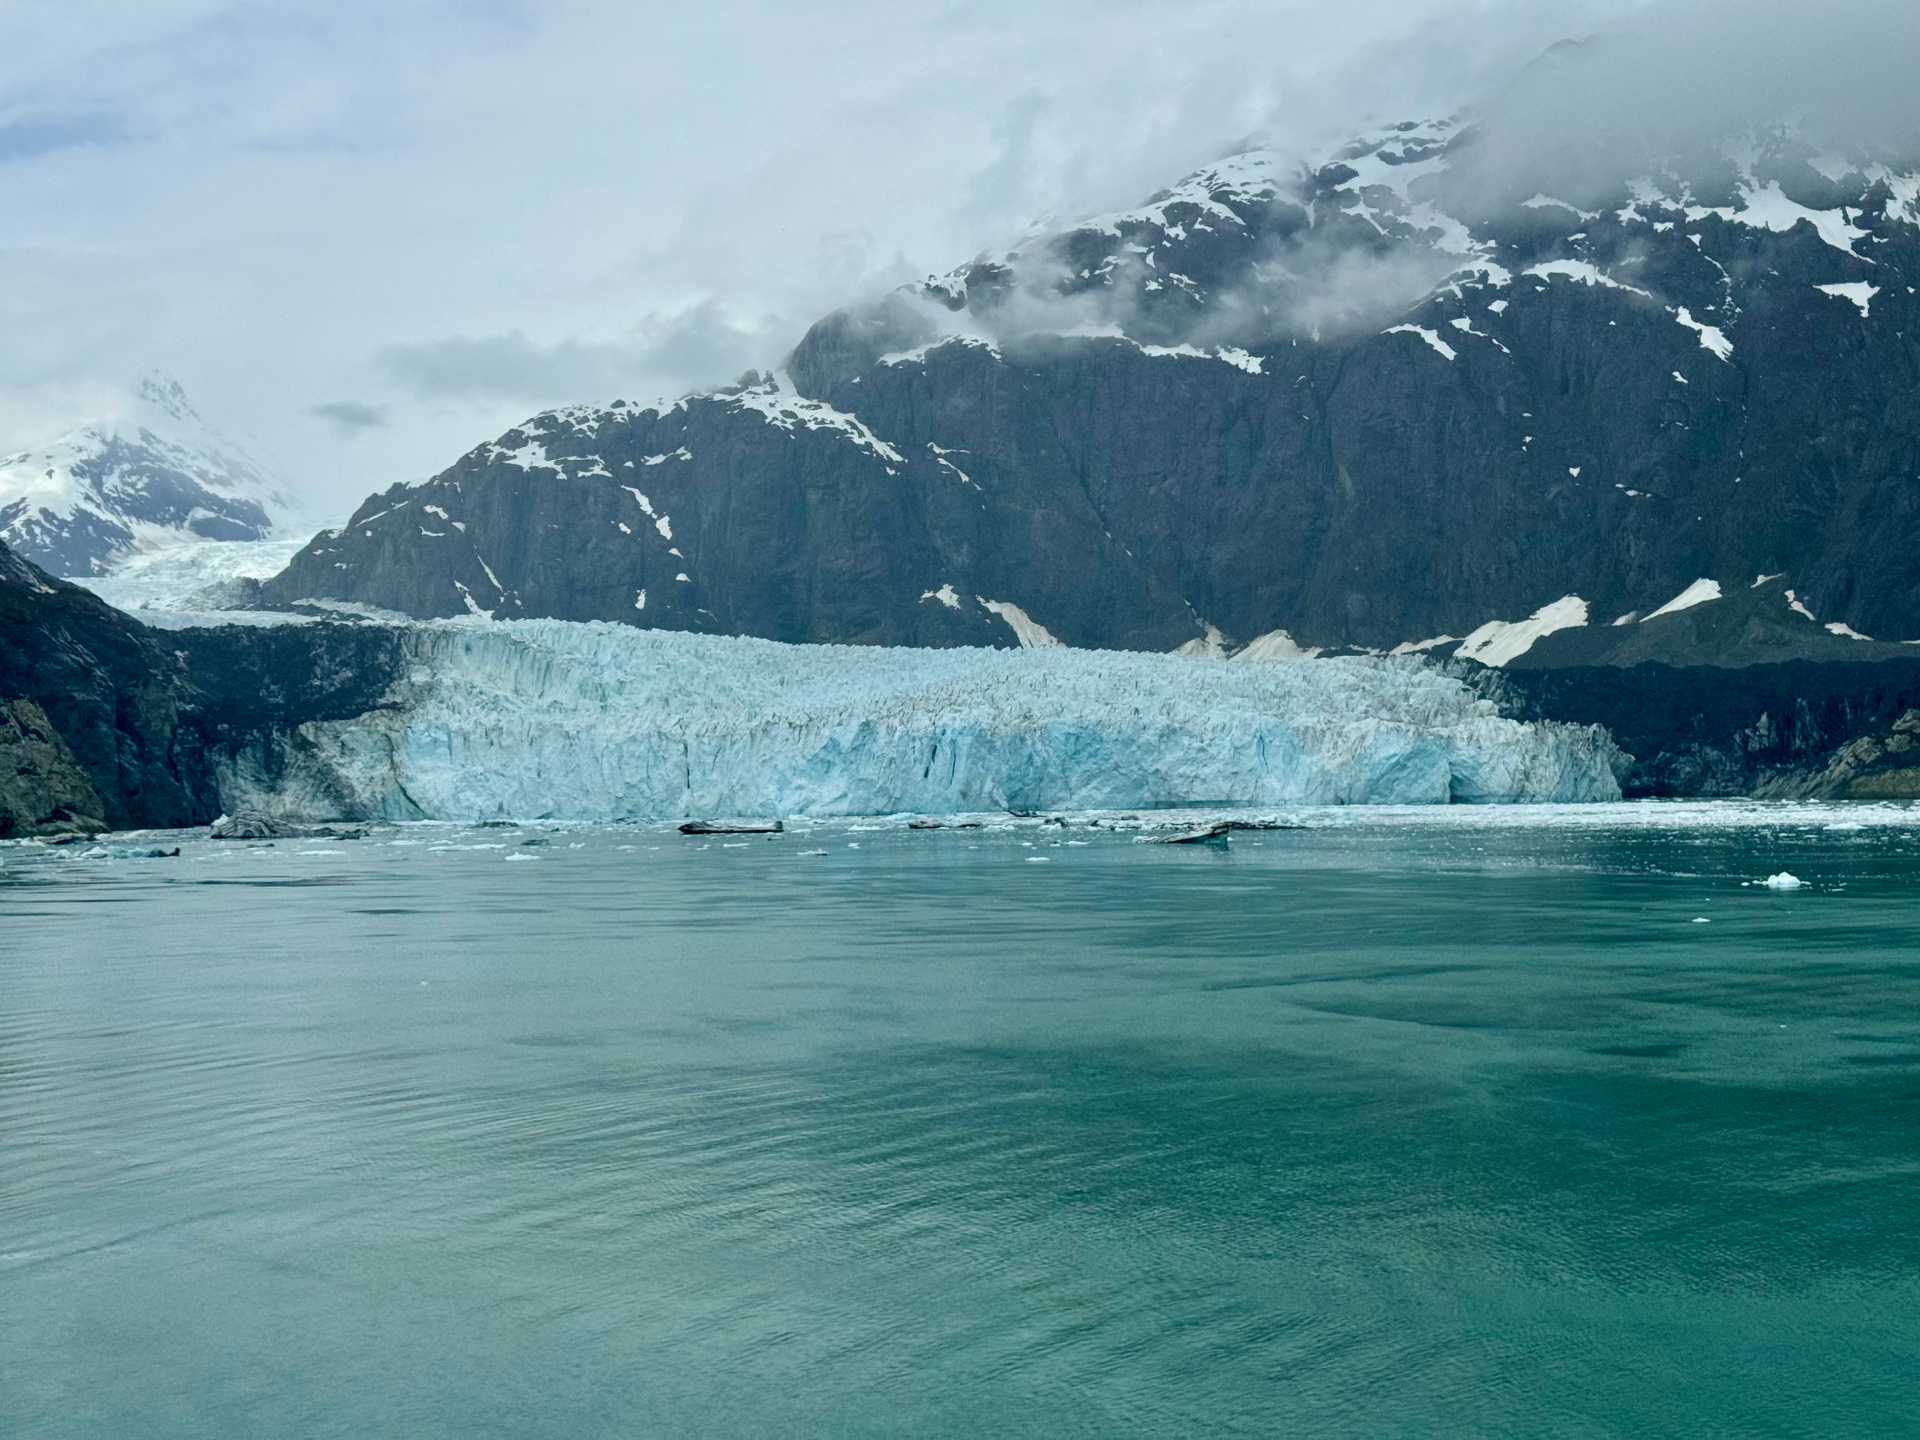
[{"x": 546, "y": 719}]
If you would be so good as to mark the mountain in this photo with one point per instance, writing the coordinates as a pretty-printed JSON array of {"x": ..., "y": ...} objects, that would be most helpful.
[
  {"x": 1440, "y": 388},
  {"x": 105, "y": 723},
  {"x": 154, "y": 471}
]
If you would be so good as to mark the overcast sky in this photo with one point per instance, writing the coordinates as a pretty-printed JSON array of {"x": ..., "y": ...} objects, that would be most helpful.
[{"x": 369, "y": 235}]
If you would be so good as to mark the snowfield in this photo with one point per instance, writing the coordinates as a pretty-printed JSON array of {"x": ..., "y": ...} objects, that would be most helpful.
[
  {"x": 555, "y": 720},
  {"x": 188, "y": 577}
]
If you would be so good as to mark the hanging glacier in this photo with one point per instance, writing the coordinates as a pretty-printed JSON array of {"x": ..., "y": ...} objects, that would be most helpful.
[{"x": 568, "y": 721}]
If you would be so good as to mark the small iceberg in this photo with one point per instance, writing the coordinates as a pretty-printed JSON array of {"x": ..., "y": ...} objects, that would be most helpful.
[
  {"x": 1784, "y": 881},
  {"x": 1214, "y": 834}
]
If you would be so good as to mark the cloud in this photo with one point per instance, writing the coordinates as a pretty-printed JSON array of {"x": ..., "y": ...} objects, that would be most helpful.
[
  {"x": 351, "y": 415},
  {"x": 279, "y": 202},
  {"x": 29, "y": 137},
  {"x": 701, "y": 344}
]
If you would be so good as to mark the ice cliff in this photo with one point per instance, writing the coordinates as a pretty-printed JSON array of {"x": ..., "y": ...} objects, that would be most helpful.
[{"x": 550, "y": 719}]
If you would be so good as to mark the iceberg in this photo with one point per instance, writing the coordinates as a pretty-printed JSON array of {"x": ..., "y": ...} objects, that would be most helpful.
[{"x": 545, "y": 719}]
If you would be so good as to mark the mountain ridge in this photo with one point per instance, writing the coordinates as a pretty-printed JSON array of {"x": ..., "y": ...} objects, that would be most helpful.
[
  {"x": 152, "y": 472},
  {"x": 1379, "y": 403}
]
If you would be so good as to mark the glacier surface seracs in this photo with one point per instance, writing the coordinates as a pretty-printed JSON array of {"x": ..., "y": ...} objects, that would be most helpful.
[{"x": 559, "y": 720}]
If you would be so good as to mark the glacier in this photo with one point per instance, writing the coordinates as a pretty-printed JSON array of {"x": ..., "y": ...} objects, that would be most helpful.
[{"x": 545, "y": 719}]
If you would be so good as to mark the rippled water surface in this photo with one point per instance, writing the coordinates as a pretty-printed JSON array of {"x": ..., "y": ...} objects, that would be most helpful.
[{"x": 1457, "y": 1123}]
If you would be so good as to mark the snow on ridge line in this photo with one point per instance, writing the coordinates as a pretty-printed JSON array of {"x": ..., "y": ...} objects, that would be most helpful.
[
  {"x": 783, "y": 409},
  {"x": 1499, "y": 641},
  {"x": 1432, "y": 338},
  {"x": 602, "y": 721},
  {"x": 1698, "y": 593}
]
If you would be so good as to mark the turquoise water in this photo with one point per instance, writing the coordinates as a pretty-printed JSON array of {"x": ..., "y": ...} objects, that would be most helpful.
[{"x": 1443, "y": 1124}]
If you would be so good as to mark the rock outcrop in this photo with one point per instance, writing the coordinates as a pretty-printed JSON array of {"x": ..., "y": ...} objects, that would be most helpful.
[
  {"x": 1799, "y": 730},
  {"x": 1397, "y": 398},
  {"x": 107, "y": 724}
]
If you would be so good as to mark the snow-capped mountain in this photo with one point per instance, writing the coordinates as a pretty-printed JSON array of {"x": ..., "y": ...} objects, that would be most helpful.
[
  {"x": 153, "y": 472},
  {"x": 1440, "y": 387}
]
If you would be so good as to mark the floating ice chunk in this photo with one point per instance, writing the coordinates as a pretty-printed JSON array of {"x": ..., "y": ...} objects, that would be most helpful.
[
  {"x": 945, "y": 595},
  {"x": 1784, "y": 881}
]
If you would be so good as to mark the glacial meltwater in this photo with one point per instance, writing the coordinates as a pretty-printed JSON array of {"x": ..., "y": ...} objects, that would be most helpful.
[{"x": 1459, "y": 1121}]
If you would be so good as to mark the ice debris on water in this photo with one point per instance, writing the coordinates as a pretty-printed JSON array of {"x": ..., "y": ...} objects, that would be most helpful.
[{"x": 1783, "y": 881}]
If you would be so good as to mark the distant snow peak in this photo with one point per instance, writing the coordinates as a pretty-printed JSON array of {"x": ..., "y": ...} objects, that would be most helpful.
[{"x": 150, "y": 473}]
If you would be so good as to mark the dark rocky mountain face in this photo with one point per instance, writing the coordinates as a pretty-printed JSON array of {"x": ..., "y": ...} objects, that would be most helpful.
[
  {"x": 1789, "y": 730},
  {"x": 1392, "y": 398},
  {"x": 105, "y": 723}
]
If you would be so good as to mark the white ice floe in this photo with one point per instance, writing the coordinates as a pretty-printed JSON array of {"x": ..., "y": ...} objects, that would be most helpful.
[{"x": 1784, "y": 881}]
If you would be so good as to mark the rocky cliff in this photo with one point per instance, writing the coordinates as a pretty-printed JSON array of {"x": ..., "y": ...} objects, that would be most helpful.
[
  {"x": 1392, "y": 399},
  {"x": 106, "y": 724},
  {"x": 1795, "y": 730}
]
